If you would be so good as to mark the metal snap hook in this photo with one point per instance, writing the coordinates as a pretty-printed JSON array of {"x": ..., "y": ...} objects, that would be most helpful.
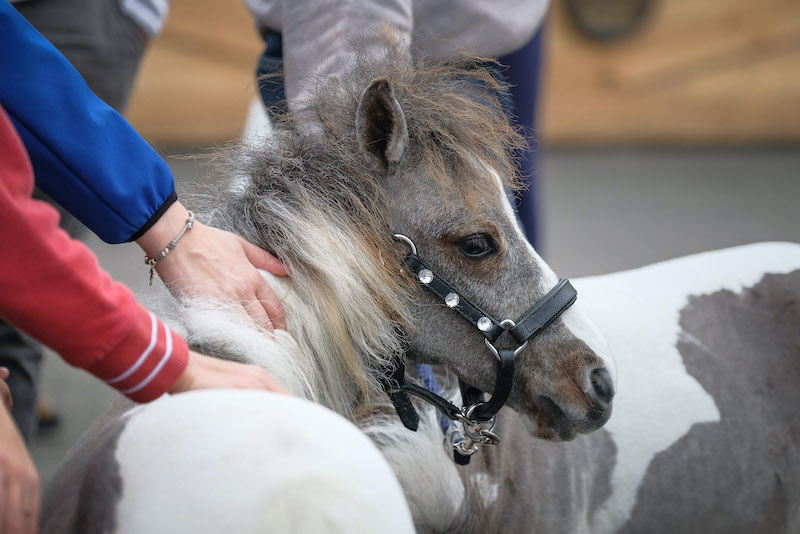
[
  {"x": 478, "y": 431},
  {"x": 481, "y": 435},
  {"x": 489, "y": 437},
  {"x": 468, "y": 419}
]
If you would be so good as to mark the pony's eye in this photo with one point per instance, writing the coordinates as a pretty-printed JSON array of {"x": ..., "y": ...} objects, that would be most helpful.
[{"x": 476, "y": 245}]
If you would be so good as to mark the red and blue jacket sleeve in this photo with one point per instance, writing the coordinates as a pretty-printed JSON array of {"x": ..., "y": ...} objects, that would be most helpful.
[
  {"x": 53, "y": 289},
  {"x": 85, "y": 155}
]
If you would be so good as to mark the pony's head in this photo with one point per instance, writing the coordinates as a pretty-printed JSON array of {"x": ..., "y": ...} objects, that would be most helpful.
[
  {"x": 423, "y": 151},
  {"x": 441, "y": 147}
]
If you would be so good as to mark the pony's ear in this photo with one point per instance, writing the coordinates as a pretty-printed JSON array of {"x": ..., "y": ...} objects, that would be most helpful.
[{"x": 380, "y": 123}]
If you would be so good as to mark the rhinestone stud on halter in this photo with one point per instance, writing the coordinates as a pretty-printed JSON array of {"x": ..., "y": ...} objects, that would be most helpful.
[
  {"x": 484, "y": 324},
  {"x": 451, "y": 300},
  {"x": 425, "y": 276}
]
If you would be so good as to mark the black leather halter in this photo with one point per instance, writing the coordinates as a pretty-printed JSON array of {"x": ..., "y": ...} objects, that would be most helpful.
[{"x": 476, "y": 411}]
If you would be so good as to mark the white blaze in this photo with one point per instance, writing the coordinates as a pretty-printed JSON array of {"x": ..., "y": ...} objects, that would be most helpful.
[{"x": 575, "y": 318}]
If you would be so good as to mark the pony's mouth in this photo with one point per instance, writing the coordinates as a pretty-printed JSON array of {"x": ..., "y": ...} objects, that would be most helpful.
[
  {"x": 552, "y": 423},
  {"x": 555, "y": 418}
]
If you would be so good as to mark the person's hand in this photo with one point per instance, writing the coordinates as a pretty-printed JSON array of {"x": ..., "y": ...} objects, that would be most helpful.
[
  {"x": 217, "y": 264},
  {"x": 19, "y": 482},
  {"x": 5, "y": 393},
  {"x": 205, "y": 372}
]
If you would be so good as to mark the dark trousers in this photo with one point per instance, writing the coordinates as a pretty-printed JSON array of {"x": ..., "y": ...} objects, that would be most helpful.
[{"x": 523, "y": 74}]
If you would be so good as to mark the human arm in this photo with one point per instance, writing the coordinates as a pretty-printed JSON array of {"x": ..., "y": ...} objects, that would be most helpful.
[
  {"x": 19, "y": 481},
  {"x": 205, "y": 372},
  {"x": 319, "y": 36},
  {"x": 93, "y": 163},
  {"x": 52, "y": 288},
  {"x": 85, "y": 155},
  {"x": 216, "y": 264}
]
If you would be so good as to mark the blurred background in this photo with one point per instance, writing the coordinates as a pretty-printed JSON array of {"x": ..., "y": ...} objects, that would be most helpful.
[{"x": 667, "y": 127}]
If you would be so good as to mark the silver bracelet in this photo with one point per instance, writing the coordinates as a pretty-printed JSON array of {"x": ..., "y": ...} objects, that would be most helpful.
[{"x": 161, "y": 255}]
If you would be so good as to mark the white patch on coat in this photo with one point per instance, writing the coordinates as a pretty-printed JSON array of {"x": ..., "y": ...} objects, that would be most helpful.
[
  {"x": 257, "y": 128},
  {"x": 205, "y": 322},
  {"x": 658, "y": 401},
  {"x": 487, "y": 489},
  {"x": 269, "y": 463},
  {"x": 257, "y": 125},
  {"x": 433, "y": 487}
]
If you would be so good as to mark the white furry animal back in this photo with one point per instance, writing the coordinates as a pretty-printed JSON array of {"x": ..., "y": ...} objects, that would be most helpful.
[{"x": 243, "y": 462}]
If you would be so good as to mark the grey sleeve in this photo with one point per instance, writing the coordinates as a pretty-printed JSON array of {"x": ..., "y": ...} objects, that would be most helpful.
[{"x": 318, "y": 37}]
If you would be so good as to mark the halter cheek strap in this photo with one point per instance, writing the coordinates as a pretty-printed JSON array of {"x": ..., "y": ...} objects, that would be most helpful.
[
  {"x": 485, "y": 411},
  {"x": 485, "y": 323}
]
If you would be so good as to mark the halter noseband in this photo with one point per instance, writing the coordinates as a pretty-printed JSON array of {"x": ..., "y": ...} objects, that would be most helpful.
[{"x": 477, "y": 414}]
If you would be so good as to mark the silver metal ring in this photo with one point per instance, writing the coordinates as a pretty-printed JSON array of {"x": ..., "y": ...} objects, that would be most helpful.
[
  {"x": 480, "y": 434},
  {"x": 468, "y": 415},
  {"x": 467, "y": 420},
  {"x": 497, "y": 354},
  {"x": 478, "y": 431},
  {"x": 407, "y": 241}
]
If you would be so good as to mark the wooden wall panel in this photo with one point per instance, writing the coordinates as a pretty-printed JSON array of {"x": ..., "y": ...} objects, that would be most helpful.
[
  {"x": 699, "y": 71},
  {"x": 197, "y": 79},
  {"x": 710, "y": 71}
]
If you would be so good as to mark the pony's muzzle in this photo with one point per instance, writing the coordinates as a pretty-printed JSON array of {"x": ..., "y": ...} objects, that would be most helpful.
[{"x": 568, "y": 418}]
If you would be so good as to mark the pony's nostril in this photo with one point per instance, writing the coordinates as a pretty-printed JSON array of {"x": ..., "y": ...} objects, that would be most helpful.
[{"x": 602, "y": 389}]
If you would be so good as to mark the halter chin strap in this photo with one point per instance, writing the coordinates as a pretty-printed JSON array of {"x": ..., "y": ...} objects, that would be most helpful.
[{"x": 476, "y": 411}]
